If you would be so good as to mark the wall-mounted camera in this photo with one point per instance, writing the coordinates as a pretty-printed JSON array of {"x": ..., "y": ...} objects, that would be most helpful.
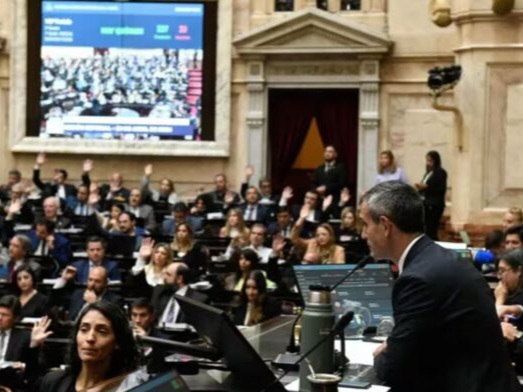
[{"x": 443, "y": 78}]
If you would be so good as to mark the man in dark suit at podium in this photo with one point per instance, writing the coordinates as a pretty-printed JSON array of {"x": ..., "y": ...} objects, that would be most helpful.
[
  {"x": 330, "y": 178},
  {"x": 447, "y": 335}
]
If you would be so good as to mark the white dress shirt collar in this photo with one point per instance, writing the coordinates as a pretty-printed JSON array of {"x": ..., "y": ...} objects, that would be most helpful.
[
  {"x": 6, "y": 343},
  {"x": 403, "y": 256}
]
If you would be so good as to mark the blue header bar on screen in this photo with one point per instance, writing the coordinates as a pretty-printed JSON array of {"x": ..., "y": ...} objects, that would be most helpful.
[
  {"x": 106, "y": 8},
  {"x": 122, "y": 25}
]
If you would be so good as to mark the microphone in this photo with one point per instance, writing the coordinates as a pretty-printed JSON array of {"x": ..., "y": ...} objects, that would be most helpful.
[
  {"x": 184, "y": 348},
  {"x": 342, "y": 323},
  {"x": 288, "y": 361},
  {"x": 361, "y": 264}
]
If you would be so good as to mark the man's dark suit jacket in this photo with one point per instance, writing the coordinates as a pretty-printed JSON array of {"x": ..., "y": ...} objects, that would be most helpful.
[
  {"x": 77, "y": 301},
  {"x": 18, "y": 350},
  {"x": 82, "y": 270},
  {"x": 334, "y": 180},
  {"x": 262, "y": 212},
  {"x": 51, "y": 188},
  {"x": 163, "y": 293},
  {"x": 447, "y": 336},
  {"x": 61, "y": 251},
  {"x": 436, "y": 188}
]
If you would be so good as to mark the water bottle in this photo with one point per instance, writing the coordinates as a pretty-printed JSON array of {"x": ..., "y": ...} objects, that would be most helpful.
[{"x": 317, "y": 321}]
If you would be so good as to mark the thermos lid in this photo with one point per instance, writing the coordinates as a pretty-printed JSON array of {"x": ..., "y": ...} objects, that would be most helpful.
[{"x": 319, "y": 295}]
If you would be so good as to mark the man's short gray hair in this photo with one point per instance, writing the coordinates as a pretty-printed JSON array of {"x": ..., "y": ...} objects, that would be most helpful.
[{"x": 399, "y": 202}]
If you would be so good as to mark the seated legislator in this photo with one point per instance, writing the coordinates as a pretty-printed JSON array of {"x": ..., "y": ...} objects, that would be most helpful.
[
  {"x": 177, "y": 278},
  {"x": 350, "y": 226},
  {"x": 509, "y": 291},
  {"x": 52, "y": 213},
  {"x": 165, "y": 193},
  {"x": 13, "y": 177},
  {"x": 512, "y": 217},
  {"x": 267, "y": 197},
  {"x": 446, "y": 334},
  {"x": 255, "y": 305},
  {"x": 102, "y": 349},
  {"x": 96, "y": 291},
  {"x": 256, "y": 241},
  {"x": 150, "y": 267},
  {"x": 19, "y": 251},
  {"x": 114, "y": 192},
  {"x": 283, "y": 224},
  {"x": 180, "y": 215},
  {"x": 95, "y": 248},
  {"x": 17, "y": 209},
  {"x": 58, "y": 187},
  {"x": 248, "y": 261},
  {"x": 33, "y": 303},
  {"x": 221, "y": 197},
  {"x": 19, "y": 346},
  {"x": 187, "y": 250},
  {"x": 46, "y": 243},
  {"x": 235, "y": 227},
  {"x": 142, "y": 211},
  {"x": 253, "y": 210},
  {"x": 514, "y": 237},
  {"x": 323, "y": 244}
]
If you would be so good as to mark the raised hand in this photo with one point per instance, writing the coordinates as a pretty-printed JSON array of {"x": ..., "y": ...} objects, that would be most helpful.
[
  {"x": 90, "y": 296},
  {"x": 148, "y": 170},
  {"x": 321, "y": 189},
  {"x": 249, "y": 171},
  {"x": 327, "y": 202},
  {"x": 68, "y": 273},
  {"x": 229, "y": 198},
  {"x": 146, "y": 250},
  {"x": 40, "y": 159},
  {"x": 278, "y": 243},
  {"x": 305, "y": 211},
  {"x": 14, "y": 208},
  {"x": 50, "y": 241},
  {"x": 94, "y": 198},
  {"x": 287, "y": 193},
  {"x": 39, "y": 332},
  {"x": 87, "y": 166},
  {"x": 345, "y": 196}
]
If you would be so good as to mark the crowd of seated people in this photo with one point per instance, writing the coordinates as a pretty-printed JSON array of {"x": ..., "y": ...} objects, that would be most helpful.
[{"x": 101, "y": 247}]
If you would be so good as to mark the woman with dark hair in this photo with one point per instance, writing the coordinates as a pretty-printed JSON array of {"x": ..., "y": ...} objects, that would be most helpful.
[
  {"x": 432, "y": 189},
  {"x": 102, "y": 350},
  {"x": 509, "y": 292},
  {"x": 255, "y": 306},
  {"x": 388, "y": 170},
  {"x": 24, "y": 286},
  {"x": 248, "y": 260},
  {"x": 187, "y": 250}
]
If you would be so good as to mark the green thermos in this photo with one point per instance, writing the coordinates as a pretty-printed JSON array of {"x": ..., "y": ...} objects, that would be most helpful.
[{"x": 317, "y": 321}]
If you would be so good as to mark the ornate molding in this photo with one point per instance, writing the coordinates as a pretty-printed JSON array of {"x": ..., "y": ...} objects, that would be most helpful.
[
  {"x": 255, "y": 122},
  {"x": 368, "y": 124},
  {"x": 351, "y": 68}
]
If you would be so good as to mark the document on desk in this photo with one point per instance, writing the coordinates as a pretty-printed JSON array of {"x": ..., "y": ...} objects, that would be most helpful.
[
  {"x": 295, "y": 387},
  {"x": 358, "y": 351}
]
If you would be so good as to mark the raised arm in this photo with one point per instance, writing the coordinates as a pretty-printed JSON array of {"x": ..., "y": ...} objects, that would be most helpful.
[{"x": 296, "y": 230}]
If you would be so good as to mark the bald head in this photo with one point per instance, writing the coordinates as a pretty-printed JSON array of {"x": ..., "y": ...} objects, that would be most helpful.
[
  {"x": 177, "y": 274},
  {"x": 97, "y": 280}
]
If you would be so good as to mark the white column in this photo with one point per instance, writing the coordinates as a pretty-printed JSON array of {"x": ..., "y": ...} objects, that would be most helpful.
[
  {"x": 256, "y": 119},
  {"x": 368, "y": 137}
]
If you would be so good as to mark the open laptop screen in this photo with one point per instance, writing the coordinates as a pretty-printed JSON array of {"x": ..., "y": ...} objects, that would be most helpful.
[{"x": 367, "y": 292}]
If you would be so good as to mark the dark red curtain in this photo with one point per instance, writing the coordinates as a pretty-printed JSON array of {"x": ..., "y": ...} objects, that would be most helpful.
[
  {"x": 290, "y": 114},
  {"x": 337, "y": 117}
]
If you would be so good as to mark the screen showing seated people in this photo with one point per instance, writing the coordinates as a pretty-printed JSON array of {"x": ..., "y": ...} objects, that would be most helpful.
[
  {"x": 367, "y": 292},
  {"x": 121, "y": 70}
]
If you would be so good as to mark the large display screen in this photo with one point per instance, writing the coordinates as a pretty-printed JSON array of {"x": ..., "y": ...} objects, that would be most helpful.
[
  {"x": 122, "y": 70},
  {"x": 367, "y": 293}
]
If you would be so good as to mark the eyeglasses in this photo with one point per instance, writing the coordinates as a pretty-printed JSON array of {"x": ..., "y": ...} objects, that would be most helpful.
[{"x": 502, "y": 270}]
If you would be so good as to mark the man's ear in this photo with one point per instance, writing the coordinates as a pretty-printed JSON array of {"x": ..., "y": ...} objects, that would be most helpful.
[{"x": 387, "y": 226}]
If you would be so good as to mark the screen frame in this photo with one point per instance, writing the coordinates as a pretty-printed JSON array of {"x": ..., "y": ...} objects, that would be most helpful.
[{"x": 26, "y": 59}]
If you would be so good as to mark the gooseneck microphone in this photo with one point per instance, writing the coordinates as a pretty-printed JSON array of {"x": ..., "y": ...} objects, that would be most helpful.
[
  {"x": 361, "y": 264},
  {"x": 342, "y": 323}
]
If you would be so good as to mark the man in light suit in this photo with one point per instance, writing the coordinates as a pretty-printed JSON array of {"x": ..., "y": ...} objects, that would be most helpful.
[
  {"x": 447, "y": 336},
  {"x": 142, "y": 211}
]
